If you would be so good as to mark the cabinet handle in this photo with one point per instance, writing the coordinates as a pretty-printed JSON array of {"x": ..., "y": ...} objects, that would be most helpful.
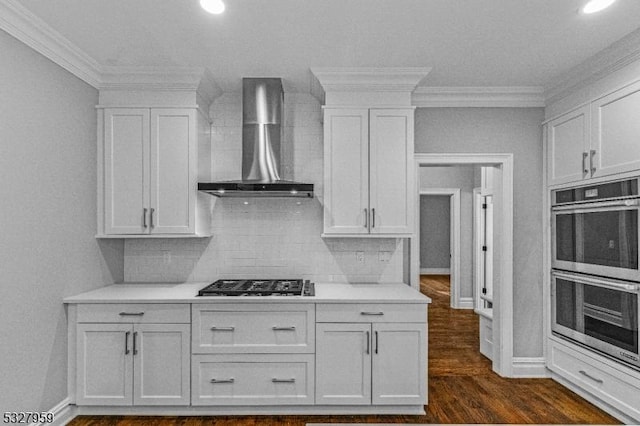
[
  {"x": 376, "y": 350},
  {"x": 372, "y": 313},
  {"x": 292, "y": 328},
  {"x": 151, "y": 217},
  {"x": 366, "y": 218},
  {"x": 135, "y": 337},
  {"x": 584, "y": 163},
  {"x": 223, "y": 328},
  {"x": 275, "y": 380},
  {"x": 131, "y": 314},
  {"x": 591, "y": 164},
  {"x": 231, "y": 380},
  {"x": 368, "y": 343},
  {"x": 373, "y": 218},
  {"x": 126, "y": 343},
  {"x": 144, "y": 217},
  {"x": 585, "y": 374}
]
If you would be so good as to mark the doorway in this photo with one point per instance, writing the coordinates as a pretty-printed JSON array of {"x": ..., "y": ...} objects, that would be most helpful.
[{"x": 502, "y": 331}]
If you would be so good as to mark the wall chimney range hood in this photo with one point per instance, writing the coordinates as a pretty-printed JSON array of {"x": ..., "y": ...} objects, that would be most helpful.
[{"x": 262, "y": 111}]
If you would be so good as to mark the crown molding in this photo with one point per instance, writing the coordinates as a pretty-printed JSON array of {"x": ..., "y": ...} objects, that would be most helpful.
[
  {"x": 22, "y": 24},
  {"x": 495, "y": 97},
  {"x": 613, "y": 58},
  {"x": 370, "y": 79}
]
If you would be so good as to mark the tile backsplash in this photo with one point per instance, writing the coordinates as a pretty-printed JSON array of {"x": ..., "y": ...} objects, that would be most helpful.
[{"x": 266, "y": 237}]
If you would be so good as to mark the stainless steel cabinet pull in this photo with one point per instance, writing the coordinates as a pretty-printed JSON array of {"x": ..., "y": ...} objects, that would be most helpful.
[
  {"x": 366, "y": 218},
  {"x": 223, "y": 328},
  {"x": 231, "y": 380},
  {"x": 373, "y": 218},
  {"x": 131, "y": 314},
  {"x": 376, "y": 342},
  {"x": 274, "y": 380},
  {"x": 368, "y": 343},
  {"x": 283, "y": 328},
  {"x": 591, "y": 164},
  {"x": 372, "y": 313},
  {"x": 144, "y": 217},
  {"x": 151, "y": 217},
  {"x": 135, "y": 337},
  {"x": 126, "y": 343},
  {"x": 584, "y": 162},
  {"x": 585, "y": 374}
]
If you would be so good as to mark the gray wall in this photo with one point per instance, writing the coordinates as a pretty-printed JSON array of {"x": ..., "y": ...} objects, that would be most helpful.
[
  {"x": 47, "y": 221},
  {"x": 463, "y": 178},
  {"x": 503, "y": 130},
  {"x": 435, "y": 226}
]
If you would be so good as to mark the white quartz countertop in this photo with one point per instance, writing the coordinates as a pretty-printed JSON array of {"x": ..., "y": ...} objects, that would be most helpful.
[{"x": 187, "y": 293}]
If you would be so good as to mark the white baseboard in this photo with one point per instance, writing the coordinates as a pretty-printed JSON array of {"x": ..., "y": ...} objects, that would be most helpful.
[
  {"x": 465, "y": 303},
  {"x": 525, "y": 367},
  {"x": 63, "y": 413},
  {"x": 435, "y": 271}
]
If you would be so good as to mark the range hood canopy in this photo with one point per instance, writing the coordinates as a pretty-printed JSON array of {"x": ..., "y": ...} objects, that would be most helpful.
[{"x": 262, "y": 111}]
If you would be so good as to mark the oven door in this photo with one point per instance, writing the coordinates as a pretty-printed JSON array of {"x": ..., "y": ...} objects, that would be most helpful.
[
  {"x": 601, "y": 314},
  {"x": 597, "y": 238}
]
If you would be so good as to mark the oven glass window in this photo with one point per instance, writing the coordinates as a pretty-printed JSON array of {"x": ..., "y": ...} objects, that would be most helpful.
[
  {"x": 566, "y": 303},
  {"x": 607, "y": 238}
]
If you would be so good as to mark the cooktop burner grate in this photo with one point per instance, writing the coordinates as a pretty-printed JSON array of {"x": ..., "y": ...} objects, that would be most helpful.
[{"x": 280, "y": 287}]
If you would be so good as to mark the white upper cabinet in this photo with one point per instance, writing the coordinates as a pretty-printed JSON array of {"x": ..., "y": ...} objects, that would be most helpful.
[
  {"x": 598, "y": 139},
  {"x": 368, "y": 171}
]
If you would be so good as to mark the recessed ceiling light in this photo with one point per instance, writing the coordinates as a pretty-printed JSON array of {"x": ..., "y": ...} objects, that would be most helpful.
[
  {"x": 213, "y": 6},
  {"x": 594, "y": 6}
]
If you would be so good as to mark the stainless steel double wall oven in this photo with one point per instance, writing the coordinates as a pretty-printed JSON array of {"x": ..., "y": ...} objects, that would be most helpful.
[{"x": 595, "y": 280}]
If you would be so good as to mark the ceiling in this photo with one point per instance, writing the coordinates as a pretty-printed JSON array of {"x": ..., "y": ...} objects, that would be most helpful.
[{"x": 466, "y": 42}]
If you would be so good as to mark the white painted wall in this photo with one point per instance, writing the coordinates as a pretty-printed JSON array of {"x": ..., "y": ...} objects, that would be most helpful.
[
  {"x": 266, "y": 238},
  {"x": 503, "y": 130},
  {"x": 435, "y": 231},
  {"x": 47, "y": 222}
]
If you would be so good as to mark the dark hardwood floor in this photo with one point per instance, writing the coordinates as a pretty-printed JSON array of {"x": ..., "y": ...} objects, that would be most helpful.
[{"x": 462, "y": 387}]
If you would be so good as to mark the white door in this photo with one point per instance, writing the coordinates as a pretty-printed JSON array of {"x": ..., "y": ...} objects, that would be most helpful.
[
  {"x": 162, "y": 361},
  {"x": 126, "y": 170},
  {"x": 616, "y": 132},
  {"x": 568, "y": 146},
  {"x": 343, "y": 363},
  {"x": 173, "y": 171},
  {"x": 399, "y": 357},
  {"x": 346, "y": 171},
  {"x": 391, "y": 177},
  {"x": 105, "y": 362}
]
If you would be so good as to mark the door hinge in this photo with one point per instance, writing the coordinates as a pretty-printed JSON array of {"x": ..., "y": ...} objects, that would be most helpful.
[
  {"x": 484, "y": 248},
  {"x": 484, "y": 205},
  {"x": 484, "y": 291}
]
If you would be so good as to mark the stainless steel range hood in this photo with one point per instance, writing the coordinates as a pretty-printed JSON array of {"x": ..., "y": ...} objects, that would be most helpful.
[{"x": 262, "y": 111}]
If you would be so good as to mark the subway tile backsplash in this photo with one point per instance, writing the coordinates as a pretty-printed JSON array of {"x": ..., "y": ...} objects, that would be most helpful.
[{"x": 266, "y": 237}]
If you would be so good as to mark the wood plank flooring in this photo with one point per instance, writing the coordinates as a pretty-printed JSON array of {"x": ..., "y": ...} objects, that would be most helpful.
[{"x": 462, "y": 387}]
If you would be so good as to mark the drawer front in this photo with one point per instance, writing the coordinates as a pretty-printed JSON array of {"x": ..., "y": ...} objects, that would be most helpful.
[
  {"x": 610, "y": 385},
  {"x": 371, "y": 312},
  {"x": 249, "y": 328},
  {"x": 270, "y": 379},
  {"x": 158, "y": 313}
]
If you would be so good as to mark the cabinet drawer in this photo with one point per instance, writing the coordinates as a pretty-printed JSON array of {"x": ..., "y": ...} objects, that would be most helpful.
[
  {"x": 172, "y": 313},
  {"x": 607, "y": 383},
  {"x": 269, "y": 379},
  {"x": 371, "y": 312},
  {"x": 251, "y": 328}
]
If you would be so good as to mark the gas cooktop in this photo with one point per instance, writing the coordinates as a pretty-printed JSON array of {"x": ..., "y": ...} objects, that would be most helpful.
[{"x": 259, "y": 288}]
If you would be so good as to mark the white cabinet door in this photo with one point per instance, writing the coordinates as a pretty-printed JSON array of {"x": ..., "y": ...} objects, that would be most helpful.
[
  {"x": 126, "y": 169},
  {"x": 343, "y": 363},
  {"x": 616, "y": 132},
  {"x": 346, "y": 171},
  {"x": 161, "y": 354},
  {"x": 104, "y": 364},
  {"x": 173, "y": 157},
  {"x": 568, "y": 147},
  {"x": 399, "y": 357},
  {"x": 390, "y": 172}
]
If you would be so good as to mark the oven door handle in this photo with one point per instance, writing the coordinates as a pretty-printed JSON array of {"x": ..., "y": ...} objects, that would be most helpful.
[
  {"x": 630, "y": 288},
  {"x": 631, "y": 202}
]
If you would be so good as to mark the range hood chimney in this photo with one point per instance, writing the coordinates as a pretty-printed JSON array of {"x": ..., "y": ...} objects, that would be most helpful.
[{"x": 262, "y": 111}]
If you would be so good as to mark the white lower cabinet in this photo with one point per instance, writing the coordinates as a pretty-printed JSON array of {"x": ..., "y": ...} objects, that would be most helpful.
[
  {"x": 265, "y": 379},
  {"x": 378, "y": 363}
]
